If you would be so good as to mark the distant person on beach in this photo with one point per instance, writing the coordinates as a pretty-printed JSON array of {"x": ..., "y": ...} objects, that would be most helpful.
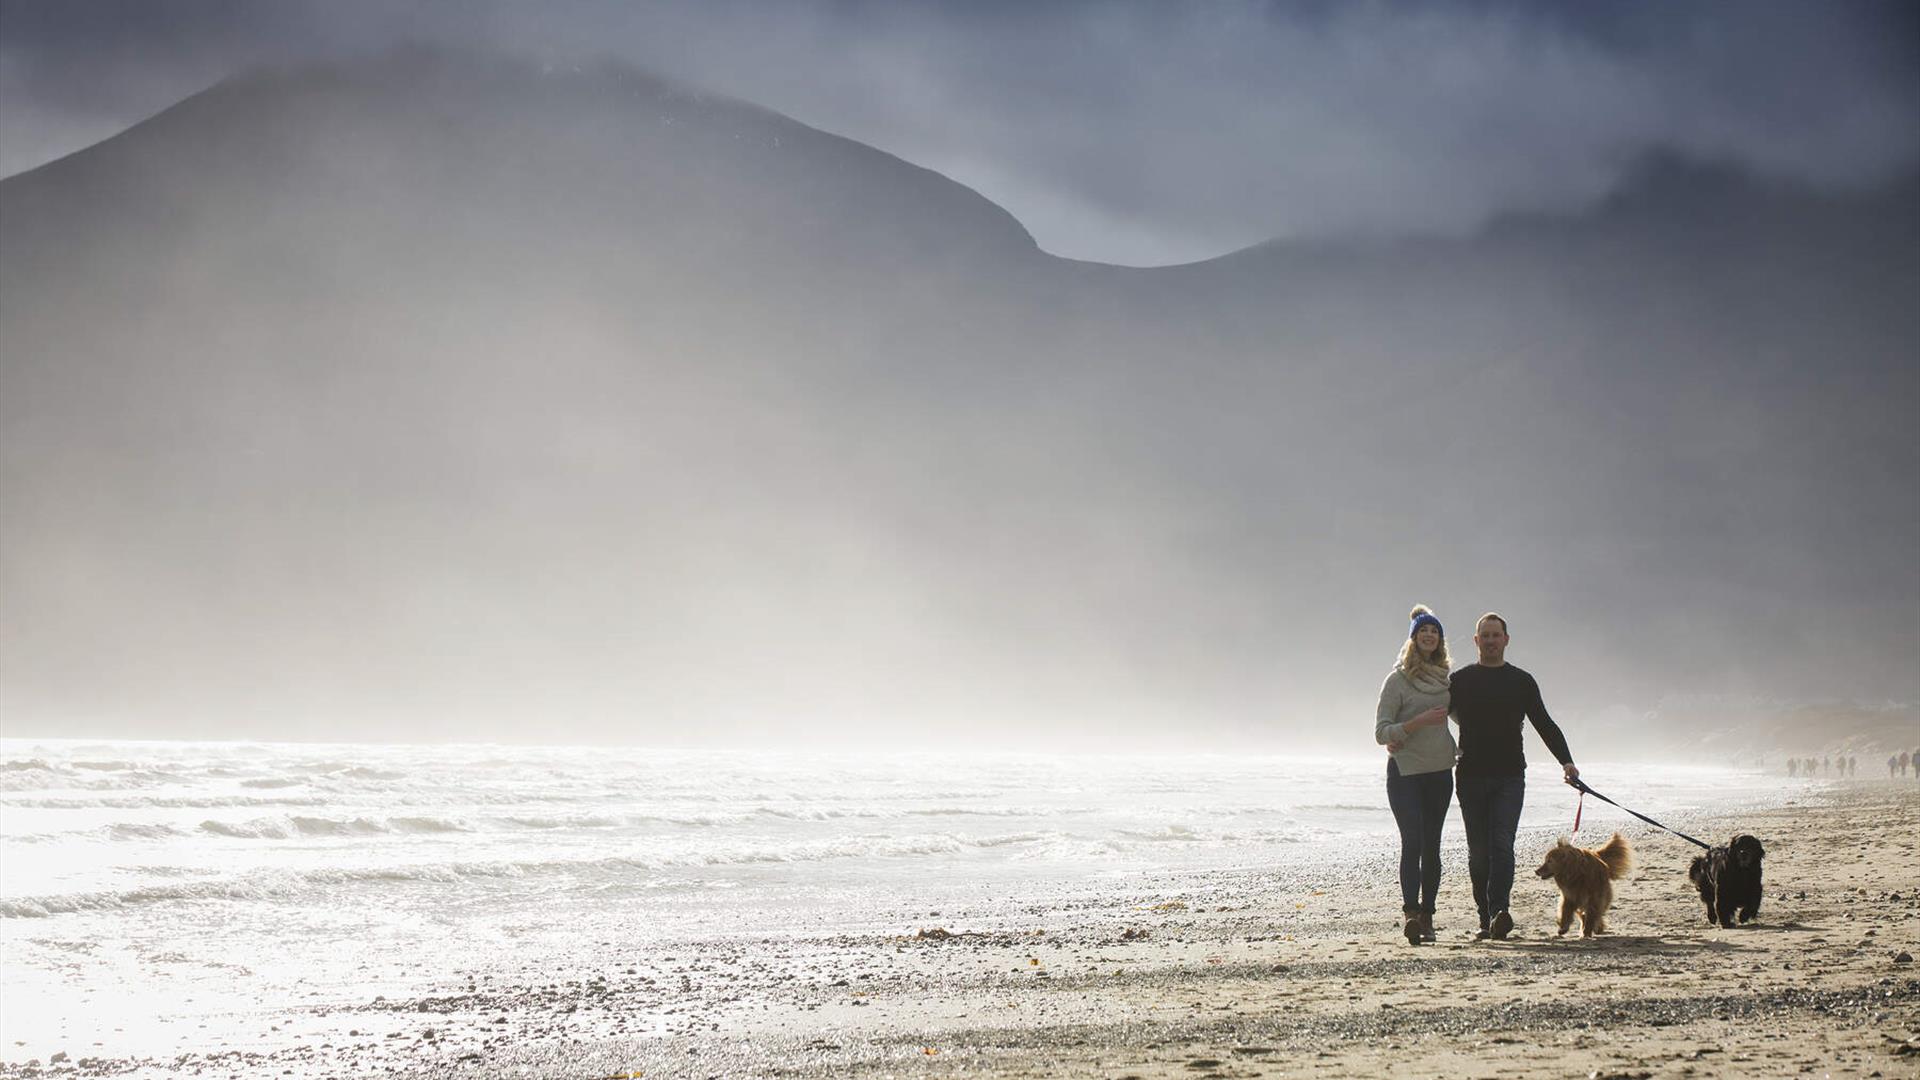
[
  {"x": 1903, "y": 763},
  {"x": 1793, "y": 766},
  {"x": 1892, "y": 764},
  {"x": 1411, "y": 723},
  {"x": 1853, "y": 765},
  {"x": 1490, "y": 698}
]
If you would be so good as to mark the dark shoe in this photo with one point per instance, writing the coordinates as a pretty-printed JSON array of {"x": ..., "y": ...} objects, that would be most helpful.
[
  {"x": 1426, "y": 929},
  {"x": 1412, "y": 929},
  {"x": 1502, "y": 926}
]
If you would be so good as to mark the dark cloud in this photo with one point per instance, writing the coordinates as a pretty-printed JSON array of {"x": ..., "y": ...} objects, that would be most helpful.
[{"x": 1131, "y": 132}]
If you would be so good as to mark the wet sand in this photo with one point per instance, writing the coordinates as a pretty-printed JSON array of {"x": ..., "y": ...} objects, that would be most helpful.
[{"x": 1289, "y": 971}]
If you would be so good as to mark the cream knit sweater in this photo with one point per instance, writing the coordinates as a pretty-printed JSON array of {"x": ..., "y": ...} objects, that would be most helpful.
[{"x": 1429, "y": 749}]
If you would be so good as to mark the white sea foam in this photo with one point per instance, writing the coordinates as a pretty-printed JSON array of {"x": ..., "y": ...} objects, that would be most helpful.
[{"x": 316, "y": 861}]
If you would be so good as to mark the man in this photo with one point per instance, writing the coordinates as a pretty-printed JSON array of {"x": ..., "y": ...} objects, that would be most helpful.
[{"x": 1489, "y": 700}]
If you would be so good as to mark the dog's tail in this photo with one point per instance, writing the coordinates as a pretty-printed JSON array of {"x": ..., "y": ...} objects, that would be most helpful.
[{"x": 1618, "y": 855}]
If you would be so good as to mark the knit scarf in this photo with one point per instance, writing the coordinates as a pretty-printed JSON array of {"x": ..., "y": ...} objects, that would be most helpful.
[{"x": 1425, "y": 677}]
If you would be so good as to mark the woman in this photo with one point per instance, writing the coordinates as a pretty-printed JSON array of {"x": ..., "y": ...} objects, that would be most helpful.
[{"x": 1412, "y": 723}]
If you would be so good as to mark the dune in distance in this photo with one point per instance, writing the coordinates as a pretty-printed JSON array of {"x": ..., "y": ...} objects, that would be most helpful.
[{"x": 458, "y": 397}]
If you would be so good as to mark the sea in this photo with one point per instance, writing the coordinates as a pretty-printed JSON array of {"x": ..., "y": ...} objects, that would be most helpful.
[{"x": 154, "y": 894}]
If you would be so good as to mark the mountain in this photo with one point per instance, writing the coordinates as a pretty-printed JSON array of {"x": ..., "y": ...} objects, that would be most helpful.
[{"x": 463, "y": 397}]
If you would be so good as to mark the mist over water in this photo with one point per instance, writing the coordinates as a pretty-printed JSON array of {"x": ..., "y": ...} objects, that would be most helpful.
[{"x": 451, "y": 397}]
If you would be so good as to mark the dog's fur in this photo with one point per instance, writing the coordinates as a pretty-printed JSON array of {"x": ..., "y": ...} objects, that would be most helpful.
[
  {"x": 1585, "y": 877},
  {"x": 1729, "y": 879}
]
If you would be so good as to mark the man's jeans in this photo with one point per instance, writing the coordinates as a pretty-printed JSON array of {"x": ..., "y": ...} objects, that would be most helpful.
[{"x": 1490, "y": 809}]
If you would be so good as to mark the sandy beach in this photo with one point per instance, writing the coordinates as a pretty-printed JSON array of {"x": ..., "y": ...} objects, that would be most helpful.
[{"x": 1237, "y": 973}]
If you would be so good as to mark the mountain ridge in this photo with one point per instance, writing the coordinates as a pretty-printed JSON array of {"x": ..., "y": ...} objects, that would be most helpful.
[
  {"x": 1662, "y": 185},
  {"x": 511, "y": 399}
]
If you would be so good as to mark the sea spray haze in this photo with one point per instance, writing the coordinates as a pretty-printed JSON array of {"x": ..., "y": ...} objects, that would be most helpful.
[
  {"x": 435, "y": 396},
  {"x": 147, "y": 889}
]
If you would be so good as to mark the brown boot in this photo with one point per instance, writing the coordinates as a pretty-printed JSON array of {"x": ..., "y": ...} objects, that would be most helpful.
[
  {"x": 1426, "y": 929},
  {"x": 1412, "y": 929}
]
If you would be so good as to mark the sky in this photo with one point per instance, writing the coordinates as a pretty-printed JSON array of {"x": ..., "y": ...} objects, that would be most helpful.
[{"x": 1127, "y": 132}]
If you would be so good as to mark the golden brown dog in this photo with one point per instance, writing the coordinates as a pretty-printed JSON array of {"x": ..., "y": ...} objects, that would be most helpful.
[{"x": 1585, "y": 877}]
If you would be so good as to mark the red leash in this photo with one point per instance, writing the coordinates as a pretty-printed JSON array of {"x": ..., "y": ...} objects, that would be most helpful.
[{"x": 1578, "y": 808}]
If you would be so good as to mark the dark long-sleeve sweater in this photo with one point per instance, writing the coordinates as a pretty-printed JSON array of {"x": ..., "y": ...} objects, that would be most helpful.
[{"x": 1488, "y": 704}]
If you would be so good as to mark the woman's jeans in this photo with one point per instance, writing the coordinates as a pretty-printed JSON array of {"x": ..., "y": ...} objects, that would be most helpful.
[
  {"x": 1420, "y": 808},
  {"x": 1490, "y": 809}
]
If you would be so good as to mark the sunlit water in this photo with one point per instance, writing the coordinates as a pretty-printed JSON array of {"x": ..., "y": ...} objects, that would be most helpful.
[{"x": 146, "y": 886}]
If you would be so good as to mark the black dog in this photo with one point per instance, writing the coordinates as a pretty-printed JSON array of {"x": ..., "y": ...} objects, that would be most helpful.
[{"x": 1729, "y": 879}]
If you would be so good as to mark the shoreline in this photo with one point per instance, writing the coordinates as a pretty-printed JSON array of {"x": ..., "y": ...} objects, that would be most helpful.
[{"x": 1270, "y": 972}]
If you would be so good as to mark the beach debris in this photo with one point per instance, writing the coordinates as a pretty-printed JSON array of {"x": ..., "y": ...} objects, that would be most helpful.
[
  {"x": 1903, "y": 958},
  {"x": 1170, "y": 905},
  {"x": 1135, "y": 934},
  {"x": 934, "y": 933},
  {"x": 929, "y": 1051}
]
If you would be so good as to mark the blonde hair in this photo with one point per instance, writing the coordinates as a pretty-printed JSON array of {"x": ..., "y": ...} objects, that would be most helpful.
[{"x": 1416, "y": 669}]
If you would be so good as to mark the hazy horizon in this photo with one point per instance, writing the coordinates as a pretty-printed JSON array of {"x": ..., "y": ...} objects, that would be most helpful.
[{"x": 444, "y": 395}]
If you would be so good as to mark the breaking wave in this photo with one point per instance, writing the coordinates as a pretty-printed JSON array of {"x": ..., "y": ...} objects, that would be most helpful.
[
  {"x": 634, "y": 869},
  {"x": 282, "y": 828}
]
